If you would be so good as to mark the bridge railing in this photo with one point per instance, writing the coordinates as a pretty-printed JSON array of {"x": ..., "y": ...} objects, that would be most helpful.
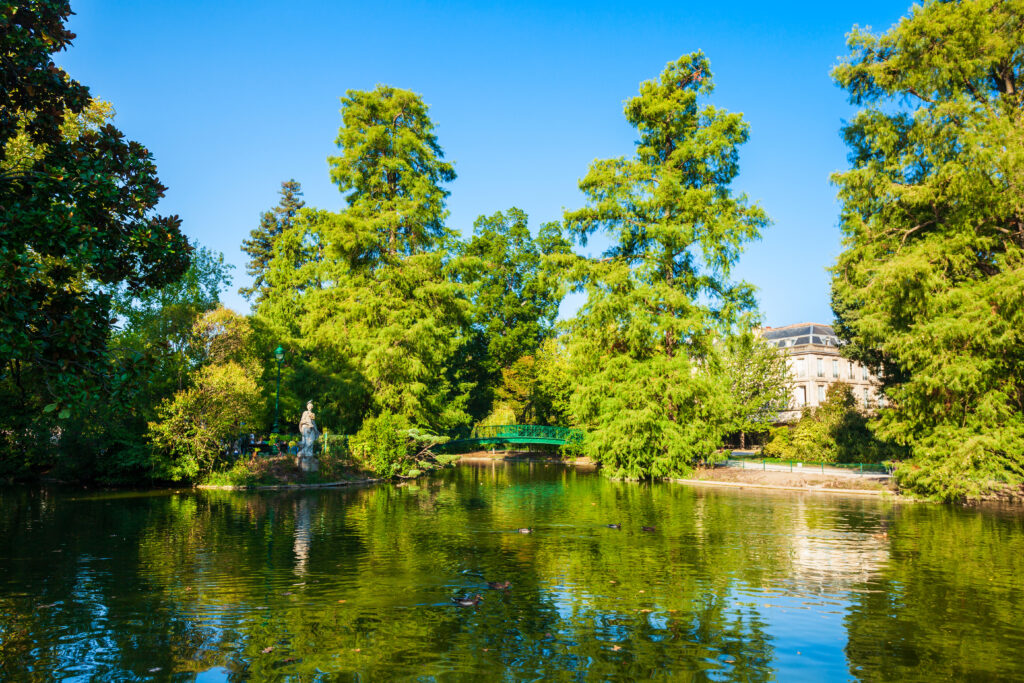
[{"x": 566, "y": 434}]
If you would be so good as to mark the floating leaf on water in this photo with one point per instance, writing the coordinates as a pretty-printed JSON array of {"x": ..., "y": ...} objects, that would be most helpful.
[
  {"x": 616, "y": 647},
  {"x": 269, "y": 648}
]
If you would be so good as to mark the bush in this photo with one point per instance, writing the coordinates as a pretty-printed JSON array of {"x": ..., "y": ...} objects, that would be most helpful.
[
  {"x": 242, "y": 473},
  {"x": 380, "y": 444},
  {"x": 192, "y": 425},
  {"x": 835, "y": 432},
  {"x": 387, "y": 446}
]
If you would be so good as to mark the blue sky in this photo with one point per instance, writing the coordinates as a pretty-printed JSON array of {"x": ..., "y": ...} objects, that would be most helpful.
[{"x": 234, "y": 97}]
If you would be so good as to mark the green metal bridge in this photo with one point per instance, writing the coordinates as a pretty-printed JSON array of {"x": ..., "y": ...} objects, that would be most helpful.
[{"x": 524, "y": 434}]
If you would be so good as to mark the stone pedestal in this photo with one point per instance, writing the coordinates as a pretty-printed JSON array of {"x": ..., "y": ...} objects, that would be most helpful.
[{"x": 307, "y": 463}]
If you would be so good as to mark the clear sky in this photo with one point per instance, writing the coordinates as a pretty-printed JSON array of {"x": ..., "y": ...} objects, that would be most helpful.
[{"x": 233, "y": 97}]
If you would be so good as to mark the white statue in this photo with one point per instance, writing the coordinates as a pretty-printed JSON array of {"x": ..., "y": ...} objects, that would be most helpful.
[{"x": 305, "y": 460}]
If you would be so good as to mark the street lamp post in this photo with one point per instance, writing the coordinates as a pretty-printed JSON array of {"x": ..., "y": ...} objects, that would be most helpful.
[{"x": 279, "y": 355}]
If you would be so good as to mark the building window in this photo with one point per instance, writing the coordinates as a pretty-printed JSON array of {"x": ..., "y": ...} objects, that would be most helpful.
[
  {"x": 801, "y": 396},
  {"x": 864, "y": 372},
  {"x": 867, "y": 398},
  {"x": 850, "y": 374},
  {"x": 821, "y": 368},
  {"x": 801, "y": 367},
  {"x": 821, "y": 394},
  {"x": 835, "y": 369}
]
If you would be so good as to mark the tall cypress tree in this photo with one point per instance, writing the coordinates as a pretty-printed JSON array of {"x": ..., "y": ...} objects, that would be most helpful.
[
  {"x": 660, "y": 296},
  {"x": 260, "y": 245},
  {"x": 929, "y": 287},
  {"x": 364, "y": 294}
]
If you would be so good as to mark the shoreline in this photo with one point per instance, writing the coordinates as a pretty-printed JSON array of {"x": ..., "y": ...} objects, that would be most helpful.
[
  {"x": 280, "y": 487},
  {"x": 809, "y": 482},
  {"x": 882, "y": 493}
]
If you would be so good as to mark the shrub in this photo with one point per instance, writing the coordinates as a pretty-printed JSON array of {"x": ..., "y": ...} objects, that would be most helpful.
[
  {"x": 387, "y": 445},
  {"x": 192, "y": 425},
  {"x": 380, "y": 444},
  {"x": 835, "y": 432}
]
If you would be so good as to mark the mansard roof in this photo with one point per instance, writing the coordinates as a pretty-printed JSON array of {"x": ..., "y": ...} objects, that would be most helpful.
[{"x": 800, "y": 334}]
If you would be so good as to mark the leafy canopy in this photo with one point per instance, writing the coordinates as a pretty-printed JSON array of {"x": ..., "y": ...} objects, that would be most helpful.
[
  {"x": 76, "y": 203},
  {"x": 364, "y": 295},
  {"x": 260, "y": 244},
  {"x": 928, "y": 286},
  {"x": 649, "y": 388}
]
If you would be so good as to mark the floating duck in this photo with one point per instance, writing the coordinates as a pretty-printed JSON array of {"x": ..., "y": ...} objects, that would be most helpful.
[
  {"x": 649, "y": 528},
  {"x": 467, "y": 601},
  {"x": 614, "y": 526},
  {"x": 499, "y": 585}
]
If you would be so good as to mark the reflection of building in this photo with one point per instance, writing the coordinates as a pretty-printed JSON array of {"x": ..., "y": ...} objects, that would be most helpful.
[
  {"x": 827, "y": 552},
  {"x": 812, "y": 351}
]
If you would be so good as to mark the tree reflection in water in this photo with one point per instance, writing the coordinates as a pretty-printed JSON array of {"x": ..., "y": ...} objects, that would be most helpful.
[{"x": 358, "y": 582}]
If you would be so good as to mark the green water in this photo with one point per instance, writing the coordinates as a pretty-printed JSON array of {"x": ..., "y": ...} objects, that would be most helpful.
[{"x": 357, "y": 584}]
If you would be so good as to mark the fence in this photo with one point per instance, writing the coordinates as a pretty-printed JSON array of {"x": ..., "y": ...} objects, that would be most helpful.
[{"x": 779, "y": 465}]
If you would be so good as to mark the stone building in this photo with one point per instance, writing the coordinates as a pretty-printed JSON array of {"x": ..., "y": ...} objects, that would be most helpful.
[{"x": 812, "y": 352}]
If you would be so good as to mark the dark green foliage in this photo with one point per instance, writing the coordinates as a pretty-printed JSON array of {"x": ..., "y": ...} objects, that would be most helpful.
[
  {"x": 515, "y": 296},
  {"x": 260, "y": 245},
  {"x": 929, "y": 288},
  {"x": 515, "y": 299},
  {"x": 76, "y": 206}
]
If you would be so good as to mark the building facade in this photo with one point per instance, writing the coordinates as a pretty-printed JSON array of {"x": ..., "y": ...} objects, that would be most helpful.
[{"x": 812, "y": 353}]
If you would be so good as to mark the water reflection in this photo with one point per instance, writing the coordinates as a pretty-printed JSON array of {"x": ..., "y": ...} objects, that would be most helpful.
[
  {"x": 732, "y": 585},
  {"x": 302, "y": 531}
]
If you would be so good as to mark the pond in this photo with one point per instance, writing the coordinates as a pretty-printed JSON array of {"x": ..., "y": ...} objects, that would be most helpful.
[{"x": 357, "y": 584}]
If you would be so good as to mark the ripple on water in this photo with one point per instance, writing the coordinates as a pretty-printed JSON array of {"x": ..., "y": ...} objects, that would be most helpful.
[{"x": 730, "y": 586}]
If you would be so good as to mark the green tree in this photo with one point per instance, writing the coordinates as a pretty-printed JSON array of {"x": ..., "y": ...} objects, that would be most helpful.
[
  {"x": 392, "y": 170},
  {"x": 77, "y": 207},
  {"x": 159, "y": 321},
  {"x": 649, "y": 389},
  {"x": 192, "y": 426},
  {"x": 365, "y": 297},
  {"x": 151, "y": 353},
  {"x": 535, "y": 388},
  {"x": 260, "y": 245},
  {"x": 928, "y": 286},
  {"x": 515, "y": 297},
  {"x": 758, "y": 380}
]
